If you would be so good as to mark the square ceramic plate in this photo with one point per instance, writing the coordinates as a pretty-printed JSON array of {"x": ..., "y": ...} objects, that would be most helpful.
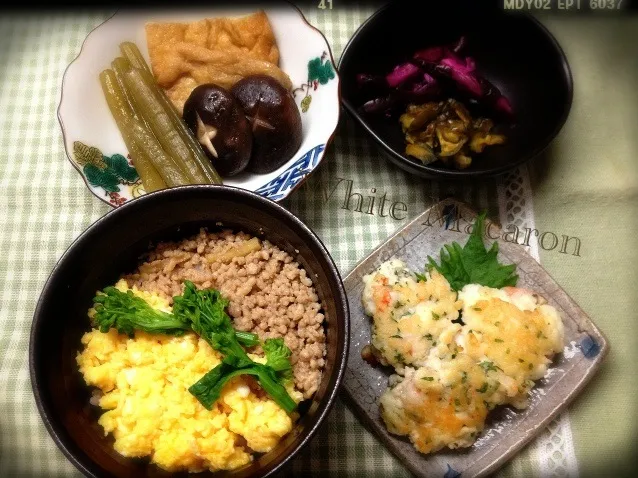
[{"x": 507, "y": 430}]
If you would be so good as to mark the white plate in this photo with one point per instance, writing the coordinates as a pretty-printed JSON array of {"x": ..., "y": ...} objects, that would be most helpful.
[{"x": 91, "y": 136}]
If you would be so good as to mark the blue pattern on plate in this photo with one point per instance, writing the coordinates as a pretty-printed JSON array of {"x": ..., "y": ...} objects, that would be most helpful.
[
  {"x": 451, "y": 473},
  {"x": 449, "y": 212},
  {"x": 279, "y": 187},
  {"x": 589, "y": 347}
]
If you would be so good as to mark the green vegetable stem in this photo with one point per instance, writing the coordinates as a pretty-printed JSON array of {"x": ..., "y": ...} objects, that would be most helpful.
[
  {"x": 126, "y": 313},
  {"x": 205, "y": 311},
  {"x": 208, "y": 388}
]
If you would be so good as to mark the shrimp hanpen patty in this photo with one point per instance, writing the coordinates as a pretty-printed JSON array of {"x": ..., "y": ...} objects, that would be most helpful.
[
  {"x": 449, "y": 378},
  {"x": 408, "y": 315}
]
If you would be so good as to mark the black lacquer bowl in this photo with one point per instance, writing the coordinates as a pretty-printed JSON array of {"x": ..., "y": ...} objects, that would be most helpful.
[
  {"x": 112, "y": 246},
  {"x": 512, "y": 50}
]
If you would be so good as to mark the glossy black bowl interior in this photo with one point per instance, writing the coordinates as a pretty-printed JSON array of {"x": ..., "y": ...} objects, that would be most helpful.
[
  {"x": 110, "y": 247},
  {"x": 512, "y": 50}
]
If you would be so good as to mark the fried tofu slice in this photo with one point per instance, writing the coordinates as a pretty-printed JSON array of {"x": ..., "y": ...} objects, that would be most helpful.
[{"x": 214, "y": 50}]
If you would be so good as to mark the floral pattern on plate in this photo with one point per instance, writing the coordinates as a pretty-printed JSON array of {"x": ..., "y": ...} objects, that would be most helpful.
[
  {"x": 320, "y": 71},
  {"x": 115, "y": 175}
]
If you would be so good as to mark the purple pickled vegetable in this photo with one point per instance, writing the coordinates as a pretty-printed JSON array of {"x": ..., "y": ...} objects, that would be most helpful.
[
  {"x": 470, "y": 63},
  {"x": 466, "y": 64},
  {"x": 426, "y": 89},
  {"x": 427, "y": 78},
  {"x": 459, "y": 45},
  {"x": 428, "y": 83},
  {"x": 461, "y": 73},
  {"x": 434, "y": 54},
  {"x": 492, "y": 96},
  {"x": 368, "y": 80},
  {"x": 431, "y": 55},
  {"x": 402, "y": 74},
  {"x": 422, "y": 91},
  {"x": 503, "y": 105},
  {"x": 380, "y": 105},
  {"x": 430, "y": 72},
  {"x": 470, "y": 82}
]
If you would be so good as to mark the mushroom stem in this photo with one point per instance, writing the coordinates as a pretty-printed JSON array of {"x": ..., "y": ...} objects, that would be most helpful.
[{"x": 205, "y": 135}]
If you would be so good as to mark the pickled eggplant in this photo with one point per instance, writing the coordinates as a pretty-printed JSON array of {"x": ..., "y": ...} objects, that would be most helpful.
[{"x": 446, "y": 131}]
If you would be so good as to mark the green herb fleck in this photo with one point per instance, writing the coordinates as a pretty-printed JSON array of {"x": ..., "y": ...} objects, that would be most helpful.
[
  {"x": 428, "y": 336},
  {"x": 478, "y": 309},
  {"x": 435, "y": 316},
  {"x": 488, "y": 366},
  {"x": 464, "y": 377},
  {"x": 483, "y": 388},
  {"x": 500, "y": 341},
  {"x": 428, "y": 379},
  {"x": 457, "y": 402}
]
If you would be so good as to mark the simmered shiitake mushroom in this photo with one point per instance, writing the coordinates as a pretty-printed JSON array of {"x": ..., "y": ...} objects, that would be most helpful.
[
  {"x": 274, "y": 119},
  {"x": 218, "y": 122}
]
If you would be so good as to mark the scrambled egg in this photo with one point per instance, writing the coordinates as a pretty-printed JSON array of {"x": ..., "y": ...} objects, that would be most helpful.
[
  {"x": 150, "y": 412},
  {"x": 449, "y": 375}
]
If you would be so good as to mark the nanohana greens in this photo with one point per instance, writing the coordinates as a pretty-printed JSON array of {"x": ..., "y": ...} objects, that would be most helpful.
[
  {"x": 203, "y": 312},
  {"x": 271, "y": 378},
  {"x": 127, "y": 313}
]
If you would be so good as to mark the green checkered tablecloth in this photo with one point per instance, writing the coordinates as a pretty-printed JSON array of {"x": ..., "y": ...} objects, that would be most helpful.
[{"x": 44, "y": 205}]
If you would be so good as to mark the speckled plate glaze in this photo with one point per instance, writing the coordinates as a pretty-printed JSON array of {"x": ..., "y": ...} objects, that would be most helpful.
[
  {"x": 507, "y": 430},
  {"x": 94, "y": 144}
]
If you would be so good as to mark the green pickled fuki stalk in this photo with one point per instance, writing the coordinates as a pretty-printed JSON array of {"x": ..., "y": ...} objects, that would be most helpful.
[
  {"x": 135, "y": 58},
  {"x": 160, "y": 122},
  {"x": 165, "y": 164},
  {"x": 120, "y": 109}
]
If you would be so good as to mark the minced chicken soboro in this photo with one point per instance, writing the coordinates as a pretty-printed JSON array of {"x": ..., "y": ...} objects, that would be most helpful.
[{"x": 270, "y": 294}]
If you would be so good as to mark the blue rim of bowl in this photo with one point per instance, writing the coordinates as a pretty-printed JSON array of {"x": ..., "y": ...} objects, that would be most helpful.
[
  {"x": 279, "y": 197},
  {"x": 340, "y": 368},
  {"x": 430, "y": 172}
]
